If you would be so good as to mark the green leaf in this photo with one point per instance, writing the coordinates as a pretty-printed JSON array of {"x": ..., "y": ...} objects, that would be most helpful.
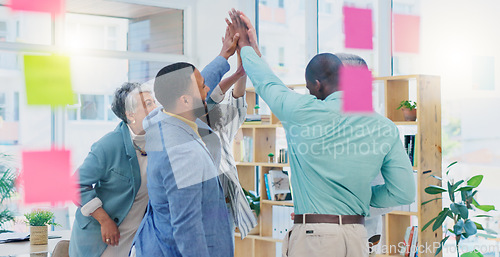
[
  {"x": 455, "y": 186},
  {"x": 458, "y": 228},
  {"x": 474, "y": 253},
  {"x": 434, "y": 190},
  {"x": 460, "y": 209},
  {"x": 428, "y": 223},
  {"x": 490, "y": 231},
  {"x": 441, "y": 245},
  {"x": 486, "y": 208},
  {"x": 470, "y": 227},
  {"x": 483, "y": 216},
  {"x": 451, "y": 164},
  {"x": 475, "y": 181},
  {"x": 475, "y": 203},
  {"x": 465, "y": 188},
  {"x": 451, "y": 191},
  {"x": 479, "y": 226},
  {"x": 485, "y": 235},
  {"x": 440, "y": 219},
  {"x": 436, "y": 177},
  {"x": 426, "y": 202}
]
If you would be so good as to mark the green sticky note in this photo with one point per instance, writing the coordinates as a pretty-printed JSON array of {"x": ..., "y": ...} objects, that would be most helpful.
[{"x": 48, "y": 80}]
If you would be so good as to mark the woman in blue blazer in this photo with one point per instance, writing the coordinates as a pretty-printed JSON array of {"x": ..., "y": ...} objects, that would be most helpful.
[{"x": 112, "y": 181}]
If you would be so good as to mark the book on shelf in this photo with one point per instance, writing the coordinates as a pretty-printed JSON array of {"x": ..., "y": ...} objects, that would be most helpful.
[
  {"x": 253, "y": 117},
  {"x": 409, "y": 145},
  {"x": 278, "y": 186},
  {"x": 409, "y": 247},
  {"x": 246, "y": 148}
]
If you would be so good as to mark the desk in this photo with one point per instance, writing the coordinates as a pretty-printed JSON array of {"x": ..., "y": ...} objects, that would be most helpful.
[{"x": 24, "y": 249}]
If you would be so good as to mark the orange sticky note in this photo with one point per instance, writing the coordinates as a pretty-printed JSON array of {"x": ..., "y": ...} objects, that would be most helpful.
[
  {"x": 48, "y": 80},
  {"x": 46, "y": 177},
  {"x": 356, "y": 84},
  {"x": 49, "y": 6},
  {"x": 358, "y": 28}
]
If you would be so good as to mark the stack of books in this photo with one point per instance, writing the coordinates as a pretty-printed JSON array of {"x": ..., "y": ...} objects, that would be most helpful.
[{"x": 410, "y": 244}]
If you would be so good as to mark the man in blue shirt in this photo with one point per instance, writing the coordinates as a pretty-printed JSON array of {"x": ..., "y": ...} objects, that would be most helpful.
[{"x": 333, "y": 156}]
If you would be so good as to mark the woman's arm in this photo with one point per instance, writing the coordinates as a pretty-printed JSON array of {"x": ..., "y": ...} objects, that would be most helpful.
[{"x": 241, "y": 84}]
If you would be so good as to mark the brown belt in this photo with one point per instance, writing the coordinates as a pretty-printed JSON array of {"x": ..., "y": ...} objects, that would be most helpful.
[{"x": 327, "y": 218}]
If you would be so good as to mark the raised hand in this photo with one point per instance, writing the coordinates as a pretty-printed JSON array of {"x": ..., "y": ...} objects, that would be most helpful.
[
  {"x": 237, "y": 26},
  {"x": 252, "y": 33},
  {"x": 229, "y": 44}
]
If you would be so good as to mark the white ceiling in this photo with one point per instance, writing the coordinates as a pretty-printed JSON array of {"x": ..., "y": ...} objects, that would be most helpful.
[{"x": 113, "y": 8}]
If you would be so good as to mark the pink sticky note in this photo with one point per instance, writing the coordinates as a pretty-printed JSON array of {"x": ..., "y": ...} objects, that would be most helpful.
[
  {"x": 50, "y": 6},
  {"x": 356, "y": 83},
  {"x": 46, "y": 177},
  {"x": 358, "y": 28},
  {"x": 406, "y": 33}
]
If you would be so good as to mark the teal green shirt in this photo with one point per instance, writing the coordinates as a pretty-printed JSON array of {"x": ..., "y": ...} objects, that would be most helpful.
[{"x": 333, "y": 156}]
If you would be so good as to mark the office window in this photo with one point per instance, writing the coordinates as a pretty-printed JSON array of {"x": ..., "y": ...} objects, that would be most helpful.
[
  {"x": 281, "y": 57},
  {"x": 92, "y": 107},
  {"x": 158, "y": 30},
  {"x": 3, "y": 31},
  {"x": 278, "y": 26},
  {"x": 25, "y": 27},
  {"x": 331, "y": 37}
]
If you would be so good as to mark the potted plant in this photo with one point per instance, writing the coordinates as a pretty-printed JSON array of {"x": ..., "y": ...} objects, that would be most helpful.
[
  {"x": 254, "y": 203},
  {"x": 39, "y": 220},
  {"x": 458, "y": 210},
  {"x": 7, "y": 188},
  {"x": 409, "y": 110},
  {"x": 270, "y": 158}
]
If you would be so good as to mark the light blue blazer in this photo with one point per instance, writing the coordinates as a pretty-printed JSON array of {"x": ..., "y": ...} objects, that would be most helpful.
[
  {"x": 187, "y": 214},
  {"x": 110, "y": 172}
]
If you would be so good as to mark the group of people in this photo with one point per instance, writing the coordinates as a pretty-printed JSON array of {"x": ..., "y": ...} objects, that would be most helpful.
[{"x": 164, "y": 182}]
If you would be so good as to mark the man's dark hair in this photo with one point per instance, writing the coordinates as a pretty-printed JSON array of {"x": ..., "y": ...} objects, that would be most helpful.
[
  {"x": 351, "y": 60},
  {"x": 324, "y": 68},
  {"x": 118, "y": 106},
  {"x": 172, "y": 82}
]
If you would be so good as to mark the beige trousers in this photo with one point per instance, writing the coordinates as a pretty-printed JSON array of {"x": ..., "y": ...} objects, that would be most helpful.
[{"x": 324, "y": 239}]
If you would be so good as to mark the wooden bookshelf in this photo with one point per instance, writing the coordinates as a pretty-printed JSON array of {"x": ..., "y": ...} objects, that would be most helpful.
[
  {"x": 427, "y": 93},
  {"x": 428, "y": 157}
]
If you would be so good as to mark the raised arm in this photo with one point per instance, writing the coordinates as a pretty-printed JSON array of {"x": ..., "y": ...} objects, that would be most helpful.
[
  {"x": 399, "y": 187},
  {"x": 215, "y": 70},
  {"x": 282, "y": 101}
]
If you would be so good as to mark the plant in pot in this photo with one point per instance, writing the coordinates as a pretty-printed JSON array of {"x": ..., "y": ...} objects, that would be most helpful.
[
  {"x": 254, "y": 202},
  {"x": 409, "y": 109},
  {"x": 39, "y": 221},
  {"x": 7, "y": 189},
  {"x": 459, "y": 210}
]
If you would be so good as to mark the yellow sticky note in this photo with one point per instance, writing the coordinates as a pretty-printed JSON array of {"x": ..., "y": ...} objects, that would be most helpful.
[{"x": 48, "y": 80}]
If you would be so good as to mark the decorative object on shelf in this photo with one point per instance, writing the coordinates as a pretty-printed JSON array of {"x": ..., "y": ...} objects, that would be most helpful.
[
  {"x": 270, "y": 158},
  {"x": 283, "y": 157},
  {"x": 256, "y": 109},
  {"x": 7, "y": 188},
  {"x": 409, "y": 110},
  {"x": 458, "y": 210},
  {"x": 278, "y": 185},
  {"x": 38, "y": 221}
]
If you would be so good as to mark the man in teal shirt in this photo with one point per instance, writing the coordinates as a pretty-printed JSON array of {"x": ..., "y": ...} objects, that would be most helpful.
[{"x": 333, "y": 156}]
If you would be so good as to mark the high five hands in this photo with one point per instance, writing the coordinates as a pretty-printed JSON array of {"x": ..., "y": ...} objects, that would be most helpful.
[{"x": 240, "y": 25}]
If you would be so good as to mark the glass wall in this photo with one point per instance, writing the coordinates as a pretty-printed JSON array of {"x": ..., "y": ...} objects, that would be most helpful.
[{"x": 109, "y": 43}]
